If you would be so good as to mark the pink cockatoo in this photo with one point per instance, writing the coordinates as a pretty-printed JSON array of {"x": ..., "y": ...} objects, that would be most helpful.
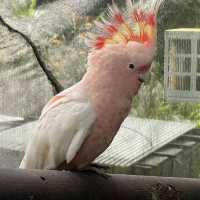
[{"x": 79, "y": 123}]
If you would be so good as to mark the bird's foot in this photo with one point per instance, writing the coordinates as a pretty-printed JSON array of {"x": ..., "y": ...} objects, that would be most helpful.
[
  {"x": 100, "y": 166},
  {"x": 95, "y": 168},
  {"x": 92, "y": 168}
]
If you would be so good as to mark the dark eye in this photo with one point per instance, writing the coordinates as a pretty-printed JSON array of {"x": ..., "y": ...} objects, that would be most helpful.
[{"x": 131, "y": 66}]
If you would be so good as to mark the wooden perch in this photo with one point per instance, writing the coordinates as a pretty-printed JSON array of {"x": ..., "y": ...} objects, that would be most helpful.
[{"x": 16, "y": 184}]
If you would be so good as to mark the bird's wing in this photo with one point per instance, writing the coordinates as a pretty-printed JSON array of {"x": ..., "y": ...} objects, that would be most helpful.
[
  {"x": 62, "y": 129},
  {"x": 54, "y": 101},
  {"x": 64, "y": 96}
]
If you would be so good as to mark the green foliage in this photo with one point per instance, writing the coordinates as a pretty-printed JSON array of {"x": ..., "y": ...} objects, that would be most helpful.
[
  {"x": 25, "y": 9},
  {"x": 150, "y": 103},
  {"x": 195, "y": 114}
]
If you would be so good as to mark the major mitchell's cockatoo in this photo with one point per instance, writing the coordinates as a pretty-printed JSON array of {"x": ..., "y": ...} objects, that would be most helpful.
[{"x": 79, "y": 123}]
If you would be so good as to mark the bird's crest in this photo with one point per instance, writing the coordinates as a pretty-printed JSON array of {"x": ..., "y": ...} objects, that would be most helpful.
[{"x": 136, "y": 23}]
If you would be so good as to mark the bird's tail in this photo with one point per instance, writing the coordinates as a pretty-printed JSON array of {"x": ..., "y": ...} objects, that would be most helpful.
[{"x": 22, "y": 165}]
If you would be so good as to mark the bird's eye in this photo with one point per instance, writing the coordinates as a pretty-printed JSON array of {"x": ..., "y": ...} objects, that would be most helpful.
[{"x": 131, "y": 66}]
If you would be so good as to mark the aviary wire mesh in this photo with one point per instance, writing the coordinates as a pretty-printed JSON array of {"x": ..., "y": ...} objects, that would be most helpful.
[{"x": 24, "y": 88}]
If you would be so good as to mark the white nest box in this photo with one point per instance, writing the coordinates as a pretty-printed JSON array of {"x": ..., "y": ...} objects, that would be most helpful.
[{"x": 182, "y": 65}]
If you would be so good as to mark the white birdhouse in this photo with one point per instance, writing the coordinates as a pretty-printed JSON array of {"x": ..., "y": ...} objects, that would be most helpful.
[{"x": 182, "y": 65}]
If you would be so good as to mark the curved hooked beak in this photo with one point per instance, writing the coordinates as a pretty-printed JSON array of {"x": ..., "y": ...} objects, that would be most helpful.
[
  {"x": 144, "y": 77},
  {"x": 144, "y": 73}
]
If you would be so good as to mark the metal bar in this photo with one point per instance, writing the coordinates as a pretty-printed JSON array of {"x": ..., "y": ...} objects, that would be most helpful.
[
  {"x": 173, "y": 144},
  {"x": 163, "y": 154},
  {"x": 61, "y": 185},
  {"x": 195, "y": 138}
]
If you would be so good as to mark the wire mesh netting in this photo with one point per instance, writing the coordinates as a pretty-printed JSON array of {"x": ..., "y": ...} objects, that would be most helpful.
[{"x": 58, "y": 28}]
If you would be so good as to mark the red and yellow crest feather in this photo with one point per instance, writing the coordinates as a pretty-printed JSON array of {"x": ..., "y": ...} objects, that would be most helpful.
[{"x": 136, "y": 23}]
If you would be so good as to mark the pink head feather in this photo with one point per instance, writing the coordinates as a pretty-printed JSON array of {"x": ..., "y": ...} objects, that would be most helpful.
[{"x": 137, "y": 23}]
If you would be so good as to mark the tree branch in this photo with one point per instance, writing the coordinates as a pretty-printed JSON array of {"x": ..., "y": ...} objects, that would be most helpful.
[
  {"x": 58, "y": 87},
  {"x": 61, "y": 185}
]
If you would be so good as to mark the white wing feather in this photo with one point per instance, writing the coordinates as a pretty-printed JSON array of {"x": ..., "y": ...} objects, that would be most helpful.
[{"x": 59, "y": 134}]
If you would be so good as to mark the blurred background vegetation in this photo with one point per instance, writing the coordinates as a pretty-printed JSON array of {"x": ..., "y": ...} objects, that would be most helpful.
[
  {"x": 151, "y": 103},
  {"x": 24, "y": 8}
]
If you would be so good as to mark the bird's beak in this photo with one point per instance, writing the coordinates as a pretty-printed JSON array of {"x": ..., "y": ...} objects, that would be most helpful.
[
  {"x": 144, "y": 73},
  {"x": 144, "y": 77}
]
